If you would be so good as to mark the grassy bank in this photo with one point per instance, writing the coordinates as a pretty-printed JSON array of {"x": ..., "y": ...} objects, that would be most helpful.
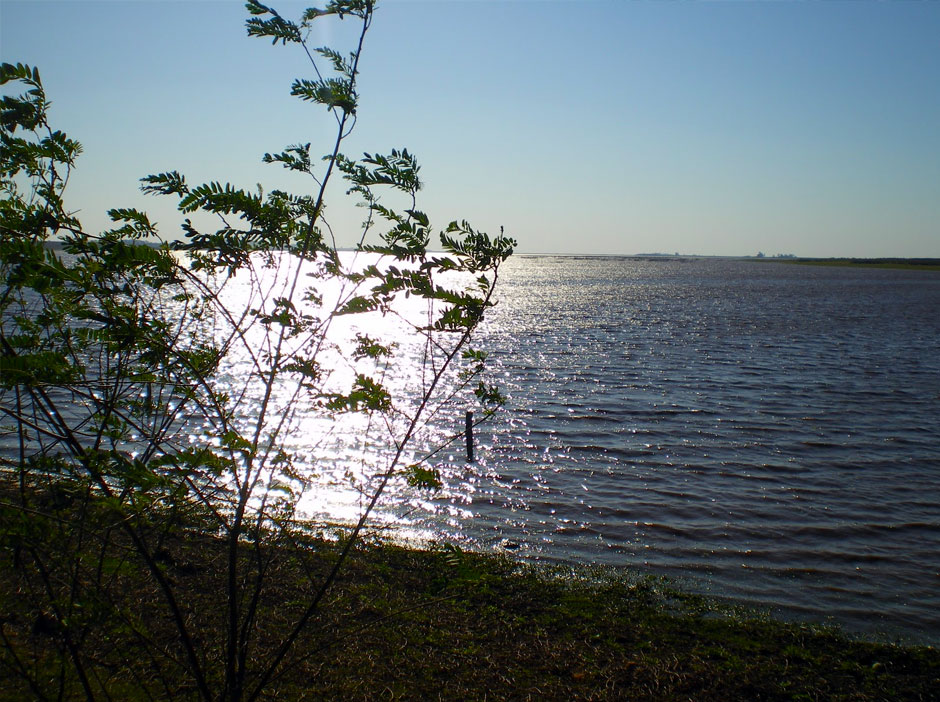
[
  {"x": 444, "y": 624},
  {"x": 458, "y": 626}
]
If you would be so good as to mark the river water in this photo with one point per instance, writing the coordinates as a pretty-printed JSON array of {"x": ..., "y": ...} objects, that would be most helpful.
[{"x": 764, "y": 432}]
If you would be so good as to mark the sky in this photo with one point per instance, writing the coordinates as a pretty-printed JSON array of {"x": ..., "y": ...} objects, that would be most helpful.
[{"x": 591, "y": 127}]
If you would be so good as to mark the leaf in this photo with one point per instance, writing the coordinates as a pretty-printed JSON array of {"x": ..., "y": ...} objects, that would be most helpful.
[
  {"x": 36, "y": 369},
  {"x": 295, "y": 158},
  {"x": 27, "y": 111},
  {"x": 425, "y": 478},
  {"x": 358, "y": 305},
  {"x": 489, "y": 395},
  {"x": 366, "y": 395},
  {"x": 277, "y": 28},
  {"x": 18, "y": 71},
  {"x": 340, "y": 65},
  {"x": 171, "y": 183},
  {"x": 367, "y": 347},
  {"x": 256, "y": 8},
  {"x": 331, "y": 92},
  {"x": 138, "y": 223}
]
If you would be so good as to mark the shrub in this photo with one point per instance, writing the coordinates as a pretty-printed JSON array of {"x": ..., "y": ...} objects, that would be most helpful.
[{"x": 258, "y": 337}]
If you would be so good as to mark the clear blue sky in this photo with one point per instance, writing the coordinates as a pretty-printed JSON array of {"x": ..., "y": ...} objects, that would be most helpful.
[{"x": 582, "y": 127}]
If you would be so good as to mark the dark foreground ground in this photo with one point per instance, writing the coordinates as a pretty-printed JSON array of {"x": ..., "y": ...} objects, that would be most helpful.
[
  {"x": 435, "y": 624},
  {"x": 444, "y": 625}
]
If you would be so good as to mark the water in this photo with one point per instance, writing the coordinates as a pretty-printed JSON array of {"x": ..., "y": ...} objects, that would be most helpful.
[{"x": 765, "y": 432}]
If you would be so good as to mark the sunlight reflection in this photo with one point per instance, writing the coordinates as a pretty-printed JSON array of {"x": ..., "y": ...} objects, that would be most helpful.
[{"x": 341, "y": 457}]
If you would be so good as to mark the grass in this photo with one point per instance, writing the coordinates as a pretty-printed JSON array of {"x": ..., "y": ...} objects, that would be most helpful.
[
  {"x": 511, "y": 632},
  {"x": 441, "y": 624}
]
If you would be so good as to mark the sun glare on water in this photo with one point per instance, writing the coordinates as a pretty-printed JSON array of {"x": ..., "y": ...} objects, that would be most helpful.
[{"x": 343, "y": 456}]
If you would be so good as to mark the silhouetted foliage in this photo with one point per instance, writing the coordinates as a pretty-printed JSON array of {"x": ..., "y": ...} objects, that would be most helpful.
[{"x": 117, "y": 352}]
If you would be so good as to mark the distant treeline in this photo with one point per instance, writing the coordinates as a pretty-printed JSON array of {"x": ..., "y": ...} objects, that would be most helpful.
[
  {"x": 916, "y": 263},
  {"x": 865, "y": 261}
]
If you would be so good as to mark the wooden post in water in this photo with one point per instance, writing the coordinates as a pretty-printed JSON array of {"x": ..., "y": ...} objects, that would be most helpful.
[{"x": 469, "y": 434}]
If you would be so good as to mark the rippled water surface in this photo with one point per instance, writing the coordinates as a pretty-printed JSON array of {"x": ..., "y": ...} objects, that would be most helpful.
[
  {"x": 768, "y": 431},
  {"x": 764, "y": 432}
]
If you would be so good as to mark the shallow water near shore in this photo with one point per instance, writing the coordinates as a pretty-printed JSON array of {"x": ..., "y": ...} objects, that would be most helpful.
[{"x": 764, "y": 432}]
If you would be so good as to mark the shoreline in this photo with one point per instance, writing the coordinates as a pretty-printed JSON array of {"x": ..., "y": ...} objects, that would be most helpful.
[
  {"x": 675, "y": 578},
  {"x": 442, "y": 623}
]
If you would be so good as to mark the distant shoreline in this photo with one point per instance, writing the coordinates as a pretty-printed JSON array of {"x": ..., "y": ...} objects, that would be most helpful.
[
  {"x": 921, "y": 264},
  {"x": 924, "y": 264}
]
